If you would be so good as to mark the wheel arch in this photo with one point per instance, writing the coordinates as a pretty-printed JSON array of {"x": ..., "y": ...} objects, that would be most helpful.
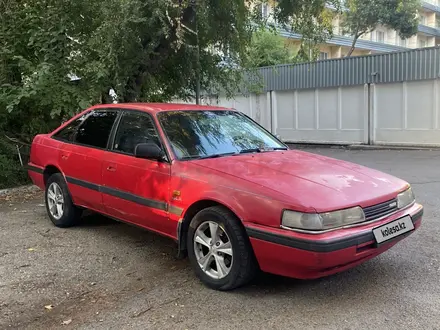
[
  {"x": 48, "y": 171},
  {"x": 189, "y": 214}
]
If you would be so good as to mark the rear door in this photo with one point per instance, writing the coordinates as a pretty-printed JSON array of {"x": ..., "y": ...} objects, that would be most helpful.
[
  {"x": 136, "y": 190},
  {"x": 81, "y": 157}
]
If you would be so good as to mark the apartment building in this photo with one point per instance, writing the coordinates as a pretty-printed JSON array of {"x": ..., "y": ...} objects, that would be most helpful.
[{"x": 379, "y": 41}]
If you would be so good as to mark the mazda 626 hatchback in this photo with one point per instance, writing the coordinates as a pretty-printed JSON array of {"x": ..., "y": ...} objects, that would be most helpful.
[{"x": 233, "y": 197}]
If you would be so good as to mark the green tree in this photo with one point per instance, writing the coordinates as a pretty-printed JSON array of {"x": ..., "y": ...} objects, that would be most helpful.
[
  {"x": 268, "y": 48},
  {"x": 146, "y": 50},
  {"x": 310, "y": 18},
  {"x": 361, "y": 17}
]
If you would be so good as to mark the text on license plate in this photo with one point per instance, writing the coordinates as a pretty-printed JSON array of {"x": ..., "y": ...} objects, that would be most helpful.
[{"x": 393, "y": 229}]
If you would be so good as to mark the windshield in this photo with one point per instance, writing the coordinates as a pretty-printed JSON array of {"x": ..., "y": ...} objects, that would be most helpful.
[{"x": 202, "y": 134}]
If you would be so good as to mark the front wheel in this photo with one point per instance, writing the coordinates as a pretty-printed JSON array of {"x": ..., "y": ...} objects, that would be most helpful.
[
  {"x": 59, "y": 204},
  {"x": 219, "y": 250}
]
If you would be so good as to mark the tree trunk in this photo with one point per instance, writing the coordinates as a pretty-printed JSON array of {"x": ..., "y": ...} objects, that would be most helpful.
[
  {"x": 357, "y": 35},
  {"x": 355, "y": 39},
  {"x": 133, "y": 87},
  {"x": 105, "y": 97}
]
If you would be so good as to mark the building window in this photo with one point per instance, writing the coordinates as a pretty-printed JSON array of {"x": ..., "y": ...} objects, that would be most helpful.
[
  {"x": 400, "y": 41},
  {"x": 380, "y": 36},
  {"x": 264, "y": 10},
  {"x": 422, "y": 43},
  {"x": 323, "y": 56},
  {"x": 423, "y": 20}
]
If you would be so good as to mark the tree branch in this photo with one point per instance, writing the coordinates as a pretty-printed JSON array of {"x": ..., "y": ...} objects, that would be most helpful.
[{"x": 15, "y": 140}]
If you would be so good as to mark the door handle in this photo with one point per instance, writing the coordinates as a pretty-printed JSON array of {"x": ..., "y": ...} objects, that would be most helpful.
[
  {"x": 111, "y": 169},
  {"x": 64, "y": 157}
]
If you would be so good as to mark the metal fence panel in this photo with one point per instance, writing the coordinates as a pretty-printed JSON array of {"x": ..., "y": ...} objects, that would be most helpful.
[{"x": 417, "y": 64}]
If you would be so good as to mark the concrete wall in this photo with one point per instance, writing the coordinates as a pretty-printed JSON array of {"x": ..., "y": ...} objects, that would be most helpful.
[
  {"x": 255, "y": 106},
  {"x": 330, "y": 115},
  {"x": 406, "y": 113},
  {"x": 390, "y": 98}
]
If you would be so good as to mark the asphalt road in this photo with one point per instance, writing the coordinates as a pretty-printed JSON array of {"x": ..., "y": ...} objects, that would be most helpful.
[{"x": 107, "y": 275}]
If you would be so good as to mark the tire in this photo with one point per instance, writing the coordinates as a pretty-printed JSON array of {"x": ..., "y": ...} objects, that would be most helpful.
[
  {"x": 70, "y": 213},
  {"x": 236, "y": 269}
]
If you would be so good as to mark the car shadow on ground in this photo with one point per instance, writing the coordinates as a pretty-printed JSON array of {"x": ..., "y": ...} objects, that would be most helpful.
[
  {"x": 362, "y": 282},
  {"x": 95, "y": 221},
  {"x": 92, "y": 219},
  {"x": 362, "y": 277},
  {"x": 131, "y": 236}
]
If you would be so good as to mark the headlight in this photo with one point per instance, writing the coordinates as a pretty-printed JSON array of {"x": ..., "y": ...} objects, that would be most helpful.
[
  {"x": 322, "y": 221},
  {"x": 406, "y": 198}
]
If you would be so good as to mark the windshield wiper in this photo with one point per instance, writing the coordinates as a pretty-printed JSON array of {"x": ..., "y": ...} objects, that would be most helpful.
[
  {"x": 207, "y": 156},
  {"x": 218, "y": 155},
  {"x": 252, "y": 150},
  {"x": 190, "y": 157},
  {"x": 244, "y": 151}
]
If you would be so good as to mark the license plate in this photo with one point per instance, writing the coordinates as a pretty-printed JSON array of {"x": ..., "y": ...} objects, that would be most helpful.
[{"x": 393, "y": 229}]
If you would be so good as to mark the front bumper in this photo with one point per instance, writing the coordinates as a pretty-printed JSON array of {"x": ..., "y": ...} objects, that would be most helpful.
[{"x": 307, "y": 256}]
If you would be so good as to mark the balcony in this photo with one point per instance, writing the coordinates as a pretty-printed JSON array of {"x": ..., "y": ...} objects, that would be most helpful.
[
  {"x": 347, "y": 41},
  {"x": 429, "y": 30},
  {"x": 433, "y": 5}
]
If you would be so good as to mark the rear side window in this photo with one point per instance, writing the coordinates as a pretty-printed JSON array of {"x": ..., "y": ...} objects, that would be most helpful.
[
  {"x": 134, "y": 128},
  {"x": 95, "y": 130},
  {"x": 68, "y": 133}
]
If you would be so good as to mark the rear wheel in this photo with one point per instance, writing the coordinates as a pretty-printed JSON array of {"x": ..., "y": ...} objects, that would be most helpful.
[
  {"x": 219, "y": 250},
  {"x": 59, "y": 204}
]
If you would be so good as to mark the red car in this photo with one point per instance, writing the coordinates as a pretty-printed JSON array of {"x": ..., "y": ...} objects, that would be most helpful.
[{"x": 232, "y": 195}]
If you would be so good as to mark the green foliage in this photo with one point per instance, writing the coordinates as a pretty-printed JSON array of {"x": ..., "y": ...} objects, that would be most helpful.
[
  {"x": 362, "y": 17},
  {"x": 146, "y": 50},
  {"x": 309, "y": 18},
  {"x": 268, "y": 48},
  {"x": 11, "y": 173}
]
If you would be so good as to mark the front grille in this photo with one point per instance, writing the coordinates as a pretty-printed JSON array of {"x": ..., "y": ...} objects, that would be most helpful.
[{"x": 380, "y": 210}]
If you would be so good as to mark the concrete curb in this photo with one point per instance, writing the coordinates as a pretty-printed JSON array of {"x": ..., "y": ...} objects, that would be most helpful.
[
  {"x": 369, "y": 147},
  {"x": 358, "y": 147}
]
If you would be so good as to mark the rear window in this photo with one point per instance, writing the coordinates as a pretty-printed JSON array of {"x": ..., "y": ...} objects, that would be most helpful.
[
  {"x": 95, "y": 130},
  {"x": 68, "y": 133}
]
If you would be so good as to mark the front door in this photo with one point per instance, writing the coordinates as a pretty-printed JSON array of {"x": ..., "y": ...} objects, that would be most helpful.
[{"x": 136, "y": 190}]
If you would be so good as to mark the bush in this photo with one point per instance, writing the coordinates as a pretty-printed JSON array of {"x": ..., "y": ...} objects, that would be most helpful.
[{"x": 12, "y": 174}]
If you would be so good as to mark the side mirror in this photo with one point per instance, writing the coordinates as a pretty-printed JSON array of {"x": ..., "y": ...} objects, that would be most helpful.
[{"x": 148, "y": 151}]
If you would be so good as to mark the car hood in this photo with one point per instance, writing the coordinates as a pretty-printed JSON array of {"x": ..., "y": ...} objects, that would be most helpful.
[{"x": 308, "y": 180}]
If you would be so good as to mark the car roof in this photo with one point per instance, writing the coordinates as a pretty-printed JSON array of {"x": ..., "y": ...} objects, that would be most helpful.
[{"x": 158, "y": 107}]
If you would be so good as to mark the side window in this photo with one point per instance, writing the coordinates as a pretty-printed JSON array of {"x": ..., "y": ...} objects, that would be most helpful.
[
  {"x": 133, "y": 129},
  {"x": 68, "y": 133},
  {"x": 96, "y": 129}
]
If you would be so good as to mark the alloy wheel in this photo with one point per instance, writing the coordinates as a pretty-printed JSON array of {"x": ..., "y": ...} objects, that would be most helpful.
[
  {"x": 55, "y": 200},
  {"x": 213, "y": 249}
]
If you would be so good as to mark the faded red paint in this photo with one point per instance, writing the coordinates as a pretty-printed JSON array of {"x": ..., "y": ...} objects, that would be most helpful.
[{"x": 256, "y": 187}]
